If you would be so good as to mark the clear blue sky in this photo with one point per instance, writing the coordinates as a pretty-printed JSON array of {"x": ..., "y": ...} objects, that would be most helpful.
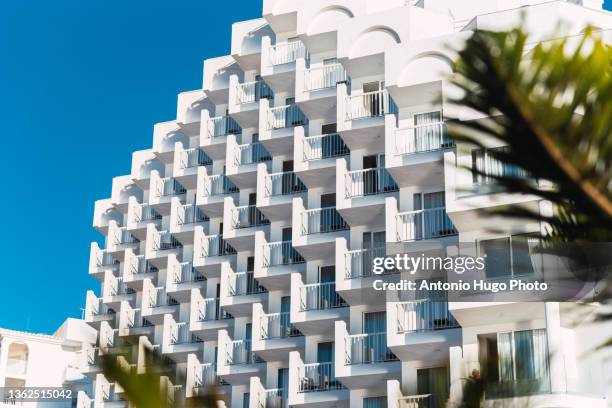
[{"x": 82, "y": 84}]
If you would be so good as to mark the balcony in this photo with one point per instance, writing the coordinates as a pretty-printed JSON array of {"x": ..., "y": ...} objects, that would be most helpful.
[
  {"x": 132, "y": 325},
  {"x": 210, "y": 252},
  {"x": 244, "y": 101},
  {"x": 418, "y": 151},
  {"x": 286, "y": 53},
  {"x": 278, "y": 63},
  {"x": 274, "y": 336},
  {"x": 163, "y": 190},
  {"x": 241, "y": 224},
  {"x": 156, "y": 303},
  {"x": 322, "y": 221},
  {"x": 139, "y": 215},
  {"x": 239, "y": 291},
  {"x": 181, "y": 278},
  {"x": 315, "y": 383},
  {"x": 315, "y": 158},
  {"x": 201, "y": 377},
  {"x": 275, "y": 192},
  {"x": 214, "y": 134},
  {"x": 116, "y": 291},
  {"x": 315, "y": 231},
  {"x": 179, "y": 341},
  {"x": 432, "y": 223},
  {"x": 105, "y": 211},
  {"x": 207, "y": 316},
  {"x": 136, "y": 269},
  {"x": 364, "y": 358},
  {"x": 123, "y": 188},
  {"x": 212, "y": 189},
  {"x": 275, "y": 261},
  {"x": 237, "y": 361},
  {"x": 247, "y": 42},
  {"x": 285, "y": 117},
  {"x": 101, "y": 261},
  {"x": 96, "y": 311},
  {"x": 186, "y": 163},
  {"x": 362, "y": 194},
  {"x": 160, "y": 244},
  {"x": 243, "y": 160},
  {"x": 423, "y": 328},
  {"x": 315, "y": 89},
  {"x": 119, "y": 239}
]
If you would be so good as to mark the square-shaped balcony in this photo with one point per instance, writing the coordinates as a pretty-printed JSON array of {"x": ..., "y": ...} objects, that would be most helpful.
[
  {"x": 237, "y": 361},
  {"x": 274, "y": 336},
  {"x": 244, "y": 101},
  {"x": 212, "y": 190},
  {"x": 201, "y": 377},
  {"x": 105, "y": 211},
  {"x": 116, "y": 291},
  {"x": 181, "y": 278},
  {"x": 96, "y": 311},
  {"x": 163, "y": 190},
  {"x": 139, "y": 216},
  {"x": 316, "y": 306},
  {"x": 207, "y": 316},
  {"x": 315, "y": 230},
  {"x": 315, "y": 89},
  {"x": 275, "y": 262},
  {"x": 217, "y": 77},
  {"x": 214, "y": 132},
  {"x": 278, "y": 126},
  {"x": 260, "y": 397},
  {"x": 183, "y": 220},
  {"x": 178, "y": 340},
  {"x": 137, "y": 268},
  {"x": 156, "y": 303},
  {"x": 239, "y": 291},
  {"x": 275, "y": 192},
  {"x": 278, "y": 63},
  {"x": 132, "y": 325},
  {"x": 186, "y": 163},
  {"x": 119, "y": 239},
  {"x": 101, "y": 261},
  {"x": 242, "y": 162},
  {"x": 88, "y": 360},
  {"x": 159, "y": 245},
  {"x": 123, "y": 188},
  {"x": 242, "y": 223},
  {"x": 362, "y": 193},
  {"x": 315, "y": 158},
  {"x": 210, "y": 252}
]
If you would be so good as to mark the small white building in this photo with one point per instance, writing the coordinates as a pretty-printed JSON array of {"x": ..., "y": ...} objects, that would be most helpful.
[{"x": 41, "y": 360}]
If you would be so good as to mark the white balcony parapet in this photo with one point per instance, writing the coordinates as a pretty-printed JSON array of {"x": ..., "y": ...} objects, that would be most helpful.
[
  {"x": 283, "y": 183},
  {"x": 320, "y": 296},
  {"x": 324, "y": 77},
  {"x": 159, "y": 298},
  {"x": 138, "y": 264},
  {"x": 223, "y": 126},
  {"x": 218, "y": 184},
  {"x": 280, "y": 253},
  {"x": 277, "y": 326},
  {"x": 414, "y": 401},
  {"x": 184, "y": 272},
  {"x": 210, "y": 309},
  {"x": 164, "y": 240},
  {"x": 418, "y": 225},
  {"x": 422, "y": 138},
  {"x": 253, "y": 91},
  {"x": 322, "y": 220},
  {"x": 146, "y": 213},
  {"x": 369, "y": 105},
  {"x": 121, "y": 236},
  {"x": 169, "y": 186},
  {"x": 286, "y": 53},
  {"x": 244, "y": 283},
  {"x": 367, "y": 182},
  {"x": 248, "y": 216},
  {"x": 179, "y": 334},
  {"x": 286, "y": 116},
  {"x": 190, "y": 214},
  {"x": 251, "y": 153},
  {"x": 272, "y": 398},
  {"x": 424, "y": 315},
  {"x": 193, "y": 158},
  {"x": 324, "y": 147},
  {"x": 367, "y": 348},
  {"x": 359, "y": 261},
  {"x": 318, "y": 377},
  {"x": 205, "y": 375},
  {"x": 241, "y": 352},
  {"x": 215, "y": 245}
]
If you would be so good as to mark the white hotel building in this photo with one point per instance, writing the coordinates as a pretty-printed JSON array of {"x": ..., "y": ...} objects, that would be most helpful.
[{"x": 238, "y": 247}]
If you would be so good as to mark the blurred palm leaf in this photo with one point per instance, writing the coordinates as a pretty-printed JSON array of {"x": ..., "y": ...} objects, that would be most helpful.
[{"x": 551, "y": 106}]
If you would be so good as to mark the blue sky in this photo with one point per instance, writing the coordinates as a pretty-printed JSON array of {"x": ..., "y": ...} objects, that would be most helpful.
[{"x": 82, "y": 84}]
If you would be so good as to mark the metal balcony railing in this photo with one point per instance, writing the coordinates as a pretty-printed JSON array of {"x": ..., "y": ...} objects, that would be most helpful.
[
  {"x": 318, "y": 377},
  {"x": 140, "y": 265},
  {"x": 422, "y": 138},
  {"x": 359, "y": 262},
  {"x": 424, "y": 224},
  {"x": 367, "y": 182},
  {"x": 180, "y": 334},
  {"x": 104, "y": 260},
  {"x": 281, "y": 253},
  {"x": 223, "y": 126},
  {"x": 190, "y": 214},
  {"x": 98, "y": 308},
  {"x": 252, "y": 153},
  {"x": 278, "y": 326},
  {"x": 116, "y": 287},
  {"x": 248, "y": 216},
  {"x": 124, "y": 237},
  {"x": 369, "y": 105},
  {"x": 205, "y": 376},
  {"x": 273, "y": 398},
  {"x": 368, "y": 348},
  {"x": 244, "y": 283},
  {"x": 146, "y": 213},
  {"x": 322, "y": 220},
  {"x": 324, "y": 147},
  {"x": 167, "y": 187},
  {"x": 424, "y": 315},
  {"x": 194, "y": 158},
  {"x": 415, "y": 401},
  {"x": 249, "y": 92},
  {"x": 324, "y": 77},
  {"x": 288, "y": 52},
  {"x": 284, "y": 183},
  {"x": 210, "y": 309},
  {"x": 164, "y": 240},
  {"x": 159, "y": 298},
  {"x": 219, "y": 184},
  {"x": 184, "y": 272},
  {"x": 320, "y": 296},
  {"x": 281, "y": 117},
  {"x": 215, "y": 245},
  {"x": 241, "y": 352}
]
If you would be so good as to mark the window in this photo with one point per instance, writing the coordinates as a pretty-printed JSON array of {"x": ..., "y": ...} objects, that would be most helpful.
[
  {"x": 509, "y": 256},
  {"x": 434, "y": 382}
]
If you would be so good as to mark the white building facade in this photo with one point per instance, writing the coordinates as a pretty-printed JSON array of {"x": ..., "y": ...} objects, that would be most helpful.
[
  {"x": 33, "y": 360},
  {"x": 239, "y": 247}
]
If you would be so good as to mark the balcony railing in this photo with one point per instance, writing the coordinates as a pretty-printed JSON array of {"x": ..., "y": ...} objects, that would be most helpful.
[
  {"x": 278, "y": 326},
  {"x": 194, "y": 158},
  {"x": 424, "y": 224},
  {"x": 167, "y": 187},
  {"x": 116, "y": 287},
  {"x": 284, "y": 183},
  {"x": 322, "y": 220},
  {"x": 367, "y": 182},
  {"x": 424, "y": 315},
  {"x": 244, "y": 283},
  {"x": 206, "y": 376},
  {"x": 104, "y": 260},
  {"x": 326, "y": 76},
  {"x": 219, "y": 184},
  {"x": 252, "y": 153},
  {"x": 318, "y": 377},
  {"x": 180, "y": 334},
  {"x": 359, "y": 262},
  {"x": 248, "y": 216},
  {"x": 159, "y": 298},
  {"x": 124, "y": 237},
  {"x": 223, "y": 126},
  {"x": 324, "y": 147},
  {"x": 286, "y": 53},
  {"x": 281, "y": 253},
  {"x": 415, "y": 401},
  {"x": 281, "y": 117},
  {"x": 163, "y": 241},
  {"x": 422, "y": 138},
  {"x": 146, "y": 213},
  {"x": 249, "y": 92},
  {"x": 273, "y": 398},
  {"x": 210, "y": 309},
  {"x": 241, "y": 352},
  {"x": 140, "y": 265},
  {"x": 215, "y": 245},
  {"x": 368, "y": 348},
  {"x": 320, "y": 296},
  {"x": 185, "y": 272},
  {"x": 369, "y": 105},
  {"x": 190, "y": 214}
]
